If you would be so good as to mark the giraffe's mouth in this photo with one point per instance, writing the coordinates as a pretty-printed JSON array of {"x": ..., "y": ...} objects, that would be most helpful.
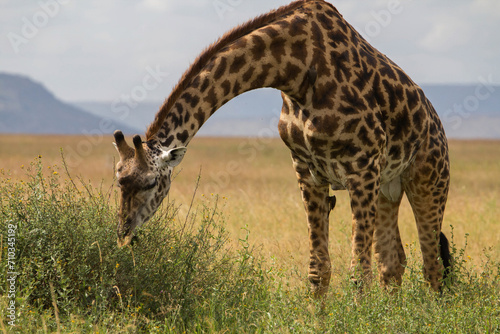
[
  {"x": 125, "y": 233},
  {"x": 124, "y": 241}
]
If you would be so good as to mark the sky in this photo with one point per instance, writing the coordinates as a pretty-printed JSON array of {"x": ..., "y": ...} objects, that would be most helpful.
[{"x": 104, "y": 50}]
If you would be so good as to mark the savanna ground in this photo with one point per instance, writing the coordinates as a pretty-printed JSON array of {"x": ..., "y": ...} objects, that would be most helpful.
[{"x": 228, "y": 253}]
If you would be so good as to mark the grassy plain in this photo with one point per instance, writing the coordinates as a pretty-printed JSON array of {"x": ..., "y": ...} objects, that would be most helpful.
[
  {"x": 256, "y": 183},
  {"x": 254, "y": 186}
]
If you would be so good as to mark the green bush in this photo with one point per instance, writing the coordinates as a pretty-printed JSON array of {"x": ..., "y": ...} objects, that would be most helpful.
[{"x": 176, "y": 272}]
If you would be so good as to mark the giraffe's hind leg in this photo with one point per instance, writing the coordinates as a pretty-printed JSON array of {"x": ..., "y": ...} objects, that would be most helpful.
[
  {"x": 389, "y": 252},
  {"x": 426, "y": 186}
]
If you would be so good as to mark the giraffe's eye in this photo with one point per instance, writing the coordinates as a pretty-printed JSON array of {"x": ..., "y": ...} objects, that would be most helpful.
[{"x": 152, "y": 185}]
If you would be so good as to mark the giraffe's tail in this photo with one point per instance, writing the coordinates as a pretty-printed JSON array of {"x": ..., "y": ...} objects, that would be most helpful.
[{"x": 444, "y": 248}]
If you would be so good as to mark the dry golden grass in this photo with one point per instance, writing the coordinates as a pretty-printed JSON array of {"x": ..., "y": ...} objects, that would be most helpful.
[{"x": 256, "y": 185}]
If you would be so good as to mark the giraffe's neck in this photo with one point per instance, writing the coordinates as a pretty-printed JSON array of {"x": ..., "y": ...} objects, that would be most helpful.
[{"x": 273, "y": 55}]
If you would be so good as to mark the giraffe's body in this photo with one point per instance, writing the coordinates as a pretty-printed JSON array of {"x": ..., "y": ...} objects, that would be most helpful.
[{"x": 351, "y": 117}]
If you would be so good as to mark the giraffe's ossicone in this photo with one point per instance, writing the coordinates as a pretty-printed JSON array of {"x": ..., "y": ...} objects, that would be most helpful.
[{"x": 351, "y": 118}]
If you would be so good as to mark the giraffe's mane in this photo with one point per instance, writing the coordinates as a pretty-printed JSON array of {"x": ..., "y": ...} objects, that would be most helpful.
[{"x": 208, "y": 53}]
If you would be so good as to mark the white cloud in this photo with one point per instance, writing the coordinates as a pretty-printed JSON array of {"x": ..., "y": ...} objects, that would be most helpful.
[
  {"x": 156, "y": 5},
  {"x": 446, "y": 34},
  {"x": 488, "y": 8},
  {"x": 108, "y": 44}
]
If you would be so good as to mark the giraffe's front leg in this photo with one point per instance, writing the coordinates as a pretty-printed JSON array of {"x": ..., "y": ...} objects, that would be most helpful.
[
  {"x": 317, "y": 209},
  {"x": 363, "y": 197},
  {"x": 317, "y": 204}
]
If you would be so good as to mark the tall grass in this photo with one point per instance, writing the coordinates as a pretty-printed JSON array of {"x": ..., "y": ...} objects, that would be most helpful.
[{"x": 182, "y": 275}]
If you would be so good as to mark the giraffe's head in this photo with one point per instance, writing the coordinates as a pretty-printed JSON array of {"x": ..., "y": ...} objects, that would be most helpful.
[{"x": 143, "y": 175}]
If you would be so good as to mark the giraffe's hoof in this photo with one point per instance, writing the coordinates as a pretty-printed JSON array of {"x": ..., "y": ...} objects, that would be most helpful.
[
  {"x": 319, "y": 285},
  {"x": 318, "y": 290}
]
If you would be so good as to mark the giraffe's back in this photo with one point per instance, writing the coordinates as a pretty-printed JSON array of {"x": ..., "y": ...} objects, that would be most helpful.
[{"x": 362, "y": 106}]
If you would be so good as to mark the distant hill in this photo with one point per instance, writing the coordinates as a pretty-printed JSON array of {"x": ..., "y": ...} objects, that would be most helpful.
[
  {"x": 249, "y": 114},
  {"x": 28, "y": 107},
  {"x": 467, "y": 111}
]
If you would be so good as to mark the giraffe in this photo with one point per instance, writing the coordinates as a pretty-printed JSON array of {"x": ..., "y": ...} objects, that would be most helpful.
[{"x": 352, "y": 119}]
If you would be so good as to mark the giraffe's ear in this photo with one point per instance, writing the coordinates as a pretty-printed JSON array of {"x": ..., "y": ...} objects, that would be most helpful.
[{"x": 173, "y": 157}]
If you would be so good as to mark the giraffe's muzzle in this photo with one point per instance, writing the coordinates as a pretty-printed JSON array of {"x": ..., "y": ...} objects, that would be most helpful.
[{"x": 125, "y": 233}]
